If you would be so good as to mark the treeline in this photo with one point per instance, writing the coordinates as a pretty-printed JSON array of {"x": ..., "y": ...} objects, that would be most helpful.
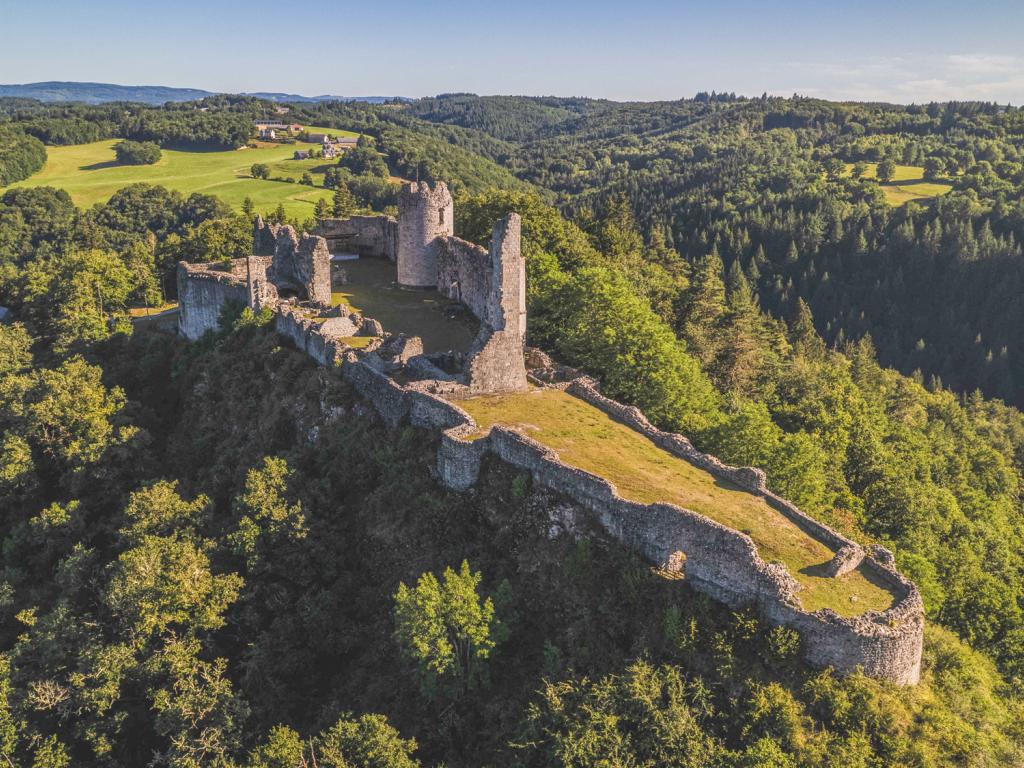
[
  {"x": 192, "y": 125},
  {"x": 763, "y": 182},
  {"x": 21, "y": 155}
]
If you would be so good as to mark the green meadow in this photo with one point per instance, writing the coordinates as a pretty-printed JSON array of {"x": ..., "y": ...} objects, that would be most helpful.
[
  {"x": 907, "y": 184},
  {"x": 90, "y": 174}
]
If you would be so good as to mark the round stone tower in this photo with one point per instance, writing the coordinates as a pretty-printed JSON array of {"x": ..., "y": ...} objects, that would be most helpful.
[{"x": 425, "y": 217}]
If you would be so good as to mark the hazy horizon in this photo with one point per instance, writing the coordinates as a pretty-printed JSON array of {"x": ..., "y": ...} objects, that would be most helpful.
[{"x": 649, "y": 51}]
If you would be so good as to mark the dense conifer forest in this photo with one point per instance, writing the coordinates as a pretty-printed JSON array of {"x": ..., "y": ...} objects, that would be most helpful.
[{"x": 213, "y": 554}]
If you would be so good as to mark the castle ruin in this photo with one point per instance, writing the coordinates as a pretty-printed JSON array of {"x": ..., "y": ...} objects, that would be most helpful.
[{"x": 291, "y": 275}]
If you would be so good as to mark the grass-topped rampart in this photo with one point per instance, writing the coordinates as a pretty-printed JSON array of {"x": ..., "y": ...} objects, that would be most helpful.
[{"x": 587, "y": 438}]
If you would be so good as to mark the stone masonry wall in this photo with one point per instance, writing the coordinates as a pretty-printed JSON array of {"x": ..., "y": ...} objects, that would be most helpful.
[
  {"x": 848, "y": 553},
  {"x": 496, "y": 361},
  {"x": 202, "y": 292},
  {"x": 719, "y": 561},
  {"x": 425, "y": 217},
  {"x": 302, "y": 263},
  {"x": 464, "y": 274},
  {"x": 264, "y": 237},
  {"x": 364, "y": 235}
]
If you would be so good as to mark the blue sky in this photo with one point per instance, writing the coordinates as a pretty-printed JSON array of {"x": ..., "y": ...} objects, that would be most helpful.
[{"x": 898, "y": 50}]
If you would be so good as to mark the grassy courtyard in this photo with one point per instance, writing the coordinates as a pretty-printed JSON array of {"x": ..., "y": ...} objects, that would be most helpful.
[
  {"x": 372, "y": 292},
  {"x": 907, "y": 184},
  {"x": 586, "y": 437},
  {"x": 90, "y": 174}
]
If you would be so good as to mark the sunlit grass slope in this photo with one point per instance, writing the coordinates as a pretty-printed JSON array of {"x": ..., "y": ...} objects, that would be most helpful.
[
  {"x": 585, "y": 437},
  {"x": 90, "y": 174},
  {"x": 907, "y": 184}
]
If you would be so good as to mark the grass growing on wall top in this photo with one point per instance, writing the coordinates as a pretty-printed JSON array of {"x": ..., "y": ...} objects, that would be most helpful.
[{"x": 587, "y": 438}]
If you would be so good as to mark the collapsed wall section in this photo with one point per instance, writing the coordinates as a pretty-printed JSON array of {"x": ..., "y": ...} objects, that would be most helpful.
[
  {"x": 264, "y": 237},
  {"x": 302, "y": 264}
]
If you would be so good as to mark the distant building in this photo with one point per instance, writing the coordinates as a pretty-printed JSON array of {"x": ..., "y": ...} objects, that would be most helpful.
[
  {"x": 277, "y": 125},
  {"x": 329, "y": 151},
  {"x": 268, "y": 133},
  {"x": 301, "y": 154},
  {"x": 282, "y": 110},
  {"x": 318, "y": 138}
]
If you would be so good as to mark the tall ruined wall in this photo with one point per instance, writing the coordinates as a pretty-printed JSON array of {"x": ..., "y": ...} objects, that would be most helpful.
[
  {"x": 203, "y": 291},
  {"x": 464, "y": 274},
  {"x": 264, "y": 237},
  {"x": 363, "y": 235},
  {"x": 425, "y": 217},
  {"x": 496, "y": 362},
  {"x": 302, "y": 264}
]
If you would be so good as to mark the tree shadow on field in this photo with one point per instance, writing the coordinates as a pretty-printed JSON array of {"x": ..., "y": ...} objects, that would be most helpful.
[{"x": 99, "y": 166}]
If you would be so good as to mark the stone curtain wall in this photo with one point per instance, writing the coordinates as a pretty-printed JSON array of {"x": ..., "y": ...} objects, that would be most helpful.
[
  {"x": 849, "y": 554},
  {"x": 375, "y": 236},
  {"x": 202, "y": 293},
  {"x": 464, "y": 274},
  {"x": 719, "y": 561}
]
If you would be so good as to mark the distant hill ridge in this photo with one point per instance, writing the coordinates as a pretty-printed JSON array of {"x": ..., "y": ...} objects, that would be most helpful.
[{"x": 98, "y": 93}]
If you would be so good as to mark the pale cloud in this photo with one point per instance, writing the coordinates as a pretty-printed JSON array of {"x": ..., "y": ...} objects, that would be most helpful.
[
  {"x": 984, "y": 63},
  {"x": 903, "y": 79}
]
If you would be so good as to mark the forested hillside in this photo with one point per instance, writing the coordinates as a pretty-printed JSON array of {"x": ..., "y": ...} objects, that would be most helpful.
[
  {"x": 205, "y": 546},
  {"x": 770, "y": 184}
]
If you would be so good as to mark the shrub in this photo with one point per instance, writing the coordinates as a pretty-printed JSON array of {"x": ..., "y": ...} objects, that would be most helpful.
[{"x": 137, "y": 152}]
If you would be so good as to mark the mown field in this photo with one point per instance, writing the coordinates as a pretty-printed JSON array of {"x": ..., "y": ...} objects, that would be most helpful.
[
  {"x": 907, "y": 184},
  {"x": 90, "y": 174}
]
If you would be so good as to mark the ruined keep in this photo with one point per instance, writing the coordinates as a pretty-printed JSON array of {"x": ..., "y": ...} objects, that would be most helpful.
[
  {"x": 425, "y": 220},
  {"x": 290, "y": 274}
]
